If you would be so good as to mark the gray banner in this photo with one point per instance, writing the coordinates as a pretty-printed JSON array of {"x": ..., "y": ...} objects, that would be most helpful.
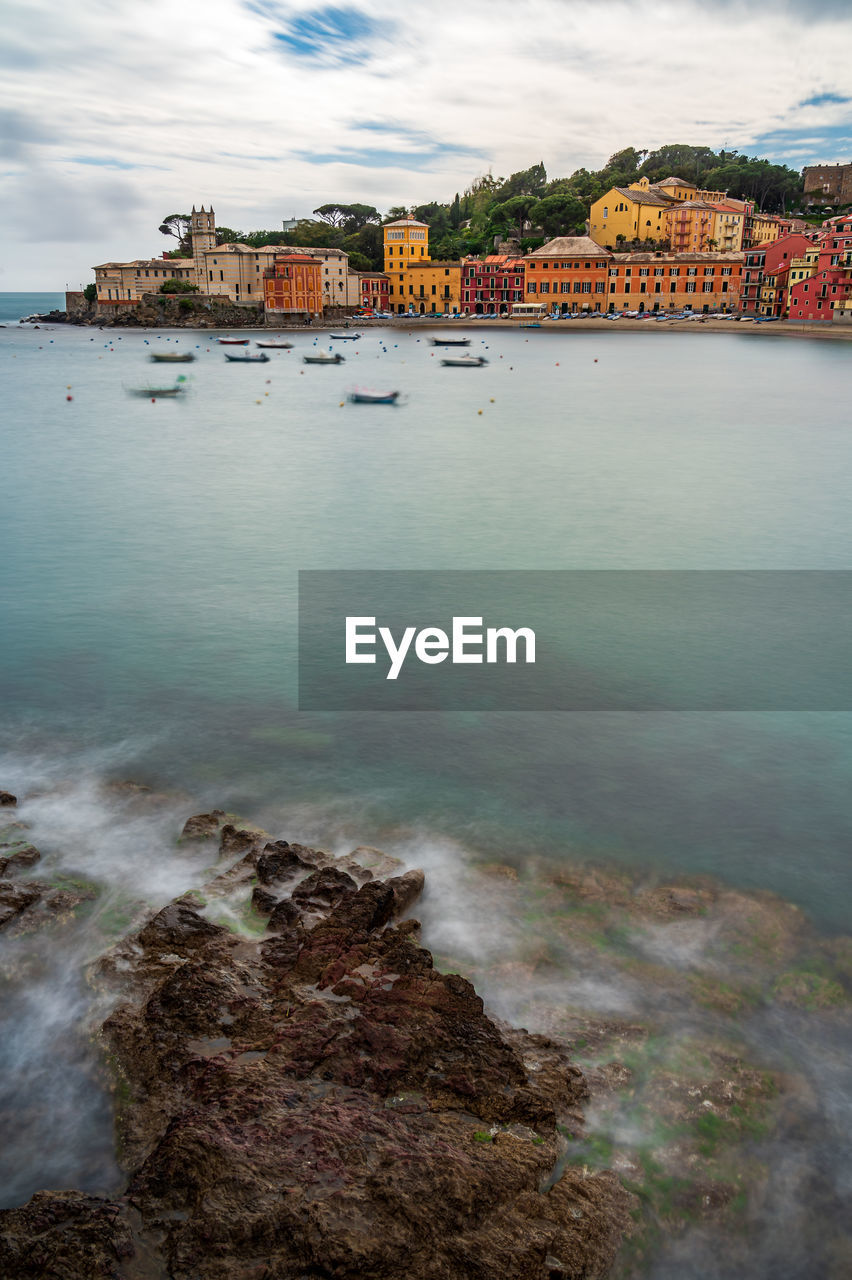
[{"x": 575, "y": 640}]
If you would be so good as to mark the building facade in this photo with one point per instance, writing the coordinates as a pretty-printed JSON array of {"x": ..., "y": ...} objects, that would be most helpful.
[
  {"x": 674, "y": 282},
  {"x": 369, "y": 289},
  {"x": 490, "y": 285},
  {"x": 827, "y": 184},
  {"x": 568, "y": 274},
  {"x": 126, "y": 282},
  {"x": 293, "y": 286}
]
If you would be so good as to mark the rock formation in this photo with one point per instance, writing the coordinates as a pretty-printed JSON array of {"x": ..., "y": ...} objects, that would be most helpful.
[{"x": 318, "y": 1101}]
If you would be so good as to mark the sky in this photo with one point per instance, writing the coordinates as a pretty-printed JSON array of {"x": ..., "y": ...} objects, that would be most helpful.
[{"x": 116, "y": 113}]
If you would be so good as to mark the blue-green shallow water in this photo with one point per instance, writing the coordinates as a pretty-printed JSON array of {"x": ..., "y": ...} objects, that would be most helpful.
[
  {"x": 16, "y": 306},
  {"x": 150, "y": 553},
  {"x": 148, "y": 562}
]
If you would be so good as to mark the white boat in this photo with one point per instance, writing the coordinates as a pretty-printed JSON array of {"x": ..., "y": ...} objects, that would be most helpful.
[
  {"x": 465, "y": 362},
  {"x": 450, "y": 342},
  {"x": 345, "y": 337},
  {"x": 323, "y": 359},
  {"x": 285, "y": 346},
  {"x": 373, "y": 397}
]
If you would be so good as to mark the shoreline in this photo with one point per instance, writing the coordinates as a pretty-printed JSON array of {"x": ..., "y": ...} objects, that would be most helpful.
[{"x": 785, "y": 328}]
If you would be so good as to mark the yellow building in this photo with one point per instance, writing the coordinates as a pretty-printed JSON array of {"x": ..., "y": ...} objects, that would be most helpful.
[
  {"x": 803, "y": 266},
  {"x": 643, "y": 211},
  {"x": 430, "y": 288},
  {"x": 405, "y": 242},
  {"x": 765, "y": 229},
  {"x": 629, "y": 213}
]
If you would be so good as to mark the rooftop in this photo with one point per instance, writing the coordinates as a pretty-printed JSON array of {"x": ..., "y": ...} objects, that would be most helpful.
[{"x": 571, "y": 247}]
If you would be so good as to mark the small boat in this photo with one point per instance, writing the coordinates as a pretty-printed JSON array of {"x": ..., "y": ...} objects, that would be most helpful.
[
  {"x": 345, "y": 337},
  {"x": 450, "y": 342},
  {"x": 285, "y": 346},
  {"x": 233, "y": 342},
  {"x": 335, "y": 359},
  {"x": 179, "y": 388},
  {"x": 373, "y": 397},
  {"x": 465, "y": 362},
  {"x": 246, "y": 359},
  {"x": 172, "y": 357}
]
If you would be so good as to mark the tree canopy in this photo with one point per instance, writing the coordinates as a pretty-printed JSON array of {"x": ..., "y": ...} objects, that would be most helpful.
[{"x": 526, "y": 207}]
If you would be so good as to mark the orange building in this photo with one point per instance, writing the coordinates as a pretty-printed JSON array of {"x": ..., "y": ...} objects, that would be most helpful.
[
  {"x": 568, "y": 274},
  {"x": 673, "y": 281},
  {"x": 293, "y": 286}
]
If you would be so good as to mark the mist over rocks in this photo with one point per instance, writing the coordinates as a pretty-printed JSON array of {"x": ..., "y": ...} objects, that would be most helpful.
[{"x": 311, "y": 1097}]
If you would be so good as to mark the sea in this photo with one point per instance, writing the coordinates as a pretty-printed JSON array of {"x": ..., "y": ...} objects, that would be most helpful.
[{"x": 149, "y": 560}]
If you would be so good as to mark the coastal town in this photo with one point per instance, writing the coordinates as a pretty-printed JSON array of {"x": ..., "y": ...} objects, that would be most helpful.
[{"x": 649, "y": 248}]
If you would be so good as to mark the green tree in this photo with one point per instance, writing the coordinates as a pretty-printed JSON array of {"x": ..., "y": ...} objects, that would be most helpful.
[
  {"x": 559, "y": 215},
  {"x": 177, "y": 225},
  {"x": 90, "y": 293},
  {"x": 178, "y": 286}
]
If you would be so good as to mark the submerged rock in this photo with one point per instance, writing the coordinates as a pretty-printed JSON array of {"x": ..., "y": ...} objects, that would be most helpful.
[
  {"x": 6, "y": 798},
  {"x": 321, "y": 1101}
]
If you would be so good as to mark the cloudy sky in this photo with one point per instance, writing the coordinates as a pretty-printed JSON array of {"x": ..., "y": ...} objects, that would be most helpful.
[{"x": 116, "y": 113}]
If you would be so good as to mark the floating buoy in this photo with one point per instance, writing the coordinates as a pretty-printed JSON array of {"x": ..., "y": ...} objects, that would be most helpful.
[
  {"x": 492, "y": 399},
  {"x": 153, "y": 400},
  {"x": 596, "y": 359},
  {"x": 479, "y": 411},
  {"x": 341, "y": 404},
  {"x": 69, "y": 397}
]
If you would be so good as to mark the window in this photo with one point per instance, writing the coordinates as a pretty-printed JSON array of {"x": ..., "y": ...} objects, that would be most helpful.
[
  {"x": 643, "y": 271},
  {"x": 545, "y": 286},
  {"x": 587, "y": 286},
  {"x": 628, "y": 271},
  {"x": 708, "y": 286},
  {"x": 690, "y": 287},
  {"x": 606, "y": 212},
  {"x": 565, "y": 287},
  {"x": 599, "y": 286},
  {"x": 691, "y": 271},
  {"x": 658, "y": 271},
  {"x": 674, "y": 271},
  {"x": 708, "y": 271},
  {"x": 531, "y": 287}
]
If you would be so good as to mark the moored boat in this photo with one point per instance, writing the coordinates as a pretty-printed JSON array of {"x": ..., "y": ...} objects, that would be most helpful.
[
  {"x": 233, "y": 342},
  {"x": 465, "y": 362},
  {"x": 284, "y": 346},
  {"x": 373, "y": 397},
  {"x": 322, "y": 359},
  {"x": 450, "y": 342},
  {"x": 178, "y": 388},
  {"x": 247, "y": 359},
  {"x": 172, "y": 357},
  {"x": 345, "y": 337}
]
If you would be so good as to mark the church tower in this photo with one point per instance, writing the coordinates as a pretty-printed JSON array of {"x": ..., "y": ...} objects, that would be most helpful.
[{"x": 202, "y": 232}]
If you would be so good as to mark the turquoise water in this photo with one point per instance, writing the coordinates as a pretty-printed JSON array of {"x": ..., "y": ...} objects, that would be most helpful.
[
  {"x": 15, "y": 306},
  {"x": 150, "y": 553}
]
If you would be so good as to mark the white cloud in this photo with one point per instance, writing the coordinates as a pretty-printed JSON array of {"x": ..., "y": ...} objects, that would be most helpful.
[{"x": 184, "y": 94}]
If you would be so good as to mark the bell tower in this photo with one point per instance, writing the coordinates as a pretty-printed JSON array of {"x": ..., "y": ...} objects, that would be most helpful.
[{"x": 202, "y": 233}]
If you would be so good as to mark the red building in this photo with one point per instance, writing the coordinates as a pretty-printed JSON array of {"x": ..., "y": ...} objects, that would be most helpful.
[
  {"x": 490, "y": 285},
  {"x": 293, "y": 286},
  {"x": 373, "y": 290},
  {"x": 769, "y": 260}
]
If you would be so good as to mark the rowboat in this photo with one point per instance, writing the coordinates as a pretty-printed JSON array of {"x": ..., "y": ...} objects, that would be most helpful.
[
  {"x": 335, "y": 359},
  {"x": 233, "y": 342},
  {"x": 261, "y": 359},
  {"x": 450, "y": 342},
  {"x": 178, "y": 388},
  {"x": 285, "y": 346},
  {"x": 465, "y": 362},
  {"x": 172, "y": 357},
  {"x": 373, "y": 397},
  {"x": 345, "y": 337}
]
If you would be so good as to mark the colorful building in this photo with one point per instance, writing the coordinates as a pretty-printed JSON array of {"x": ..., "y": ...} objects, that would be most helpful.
[
  {"x": 293, "y": 286},
  {"x": 639, "y": 212},
  {"x": 674, "y": 281},
  {"x": 369, "y": 289},
  {"x": 432, "y": 288},
  {"x": 490, "y": 285},
  {"x": 763, "y": 260},
  {"x": 827, "y": 289},
  {"x": 568, "y": 274},
  {"x": 406, "y": 241},
  {"x": 126, "y": 282}
]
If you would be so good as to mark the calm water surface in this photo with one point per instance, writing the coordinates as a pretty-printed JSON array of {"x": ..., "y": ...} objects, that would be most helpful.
[
  {"x": 150, "y": 553},
  {"x": 148, "y": 569}
]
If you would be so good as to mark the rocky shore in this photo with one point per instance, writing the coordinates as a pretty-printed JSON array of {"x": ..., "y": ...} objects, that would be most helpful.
[{"x": 310, "y": 1097}]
